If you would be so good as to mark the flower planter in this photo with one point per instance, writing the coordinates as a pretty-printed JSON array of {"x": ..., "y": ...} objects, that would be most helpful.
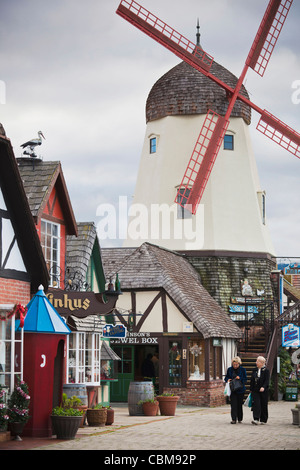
[
  {"x": 96, "y": 417},
  {"x": 16, "y": 430},
  {"x": 110, "y": 416},
  {"x": 65, "y": 427},
  {"x": 150, "y": 409},
  {"x": 167, "y": 405},
  {"x": 295, "y": 415}
]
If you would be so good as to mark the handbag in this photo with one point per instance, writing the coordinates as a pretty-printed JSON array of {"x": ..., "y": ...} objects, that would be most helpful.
[
  {"x": 227, "y": 390},
  {"x": 236, "y": 385}
]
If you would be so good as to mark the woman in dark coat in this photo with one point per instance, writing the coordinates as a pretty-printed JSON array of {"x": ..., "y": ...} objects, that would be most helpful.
[
  {"x": 236, "y": 371},
  {"x": 259, "y": 387}
]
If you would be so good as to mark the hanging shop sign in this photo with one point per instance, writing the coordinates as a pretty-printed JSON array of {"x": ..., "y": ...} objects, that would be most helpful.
[
  {"x": 290, "y": 335},
  {"x": 114, "y": 331},
  {"x": 81, "y": 304},
  {"x": 242, "y": 309},
  {"x": 243, "y": 300}
]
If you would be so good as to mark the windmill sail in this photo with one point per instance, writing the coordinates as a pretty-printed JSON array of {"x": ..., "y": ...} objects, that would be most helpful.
[
  {"x": 201, "y": 162},
  {"x": 212, "y": 133},
  {"x": 268, "y": 34}
]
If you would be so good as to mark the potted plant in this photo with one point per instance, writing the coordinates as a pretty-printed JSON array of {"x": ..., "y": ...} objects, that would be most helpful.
[
  {"x": 167, "y": 403},
  {"x": 18, "y": 409},
  {"x": 150, "y": 406},
  {"x": 3, "y": 411},
  {"x": 110, "y": 415},
  {"x": 97, "y": 415},
  {"x": 66, "y": 418}
]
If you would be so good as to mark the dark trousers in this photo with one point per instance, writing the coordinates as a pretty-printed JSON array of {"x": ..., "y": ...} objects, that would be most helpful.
[
  {"x": 236, "y": 402},
  {"x": 260, "y": 406}
]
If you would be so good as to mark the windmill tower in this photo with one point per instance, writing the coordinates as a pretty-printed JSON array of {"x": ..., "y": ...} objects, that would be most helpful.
[{"x": 207, "y": 97}]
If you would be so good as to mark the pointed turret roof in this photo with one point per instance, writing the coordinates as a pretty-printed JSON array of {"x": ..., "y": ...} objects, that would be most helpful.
[{"x": 42, "y": 317}]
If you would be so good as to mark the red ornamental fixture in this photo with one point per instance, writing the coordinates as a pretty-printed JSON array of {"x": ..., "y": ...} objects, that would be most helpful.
[{"x": 212, "y": 133}]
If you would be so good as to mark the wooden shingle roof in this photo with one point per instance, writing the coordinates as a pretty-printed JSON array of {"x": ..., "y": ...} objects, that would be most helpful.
[
  {"x": 184, "y": 90},
  {"x": 79, "y": 249},
  {"x": 150, "y": 266},
  {"x": 39, "y": 178}
]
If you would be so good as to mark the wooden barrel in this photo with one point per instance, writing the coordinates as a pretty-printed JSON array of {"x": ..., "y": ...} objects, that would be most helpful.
[
  {"x": 79, "y": 390},
  {"x": 139, "y": 391}
]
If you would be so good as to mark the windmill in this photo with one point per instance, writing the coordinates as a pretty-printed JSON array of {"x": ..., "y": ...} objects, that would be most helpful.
[{"x": 214, "y": 127}]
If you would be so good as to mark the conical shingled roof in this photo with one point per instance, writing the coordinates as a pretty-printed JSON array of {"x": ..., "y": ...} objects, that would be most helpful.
[
  {"x": 42, "y": 317},
  {"x": 186, "y": 91}
]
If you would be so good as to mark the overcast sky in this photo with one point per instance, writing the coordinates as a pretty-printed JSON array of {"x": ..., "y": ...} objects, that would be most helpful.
[{"x": 81, "y": 74}]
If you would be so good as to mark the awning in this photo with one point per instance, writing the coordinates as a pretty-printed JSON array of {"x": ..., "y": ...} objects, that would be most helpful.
[{"x": 107, "y": 353}]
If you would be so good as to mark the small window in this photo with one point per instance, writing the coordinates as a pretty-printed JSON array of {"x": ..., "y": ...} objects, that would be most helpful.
[
  {"x": 153, "y": 145},
  {"x": 182, "y": 198},
  {"x": 228, "y": 142}
]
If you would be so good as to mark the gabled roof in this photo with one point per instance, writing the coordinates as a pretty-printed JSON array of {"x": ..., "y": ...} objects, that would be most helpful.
[
  {"x": 80, "y": 249},
  {"x": 39, "y": 178},
  {"x": 150, "y": 266},
  {"x": 21, "y": 217}
]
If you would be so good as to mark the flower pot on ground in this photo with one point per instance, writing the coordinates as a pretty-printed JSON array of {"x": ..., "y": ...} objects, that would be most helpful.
[
  {"x": 110, "y": 416},
  {"x": 150, "y": 406},
  {"x": 67, "y": 418},
  {"x": 3, "y": 410},
  {"x": 18, "y": 409},
  {"x": 66, "y": 426},
  {"x": 96, "y": 416},
  {"x": 167, "y": 404}
]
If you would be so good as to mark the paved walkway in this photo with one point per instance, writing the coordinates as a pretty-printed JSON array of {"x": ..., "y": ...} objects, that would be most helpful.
[{"x": 191, "y": 429}]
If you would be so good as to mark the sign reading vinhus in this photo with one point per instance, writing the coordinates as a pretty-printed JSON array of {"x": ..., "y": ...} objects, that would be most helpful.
[{"x": 81, "y": 304}]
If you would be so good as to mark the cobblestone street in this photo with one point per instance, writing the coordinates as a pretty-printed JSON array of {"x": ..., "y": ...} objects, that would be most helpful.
[{"x": 191, "y": 429}]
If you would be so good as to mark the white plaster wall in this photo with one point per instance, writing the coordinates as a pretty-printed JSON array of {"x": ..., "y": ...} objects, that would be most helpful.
[{"x": 229, "y": 217}]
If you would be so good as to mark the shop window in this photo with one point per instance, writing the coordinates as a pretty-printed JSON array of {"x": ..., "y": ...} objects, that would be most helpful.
[
  {"x": 11, "y": 349},
  {"x": 84, "y": 358},
  {"x": 196, "y": 360},
  {"x": 50, "y": 241},
  {"x": 175, "y": 363}
]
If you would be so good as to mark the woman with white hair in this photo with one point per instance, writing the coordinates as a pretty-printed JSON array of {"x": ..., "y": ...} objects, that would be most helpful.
[{"x": 259, "y": 387}]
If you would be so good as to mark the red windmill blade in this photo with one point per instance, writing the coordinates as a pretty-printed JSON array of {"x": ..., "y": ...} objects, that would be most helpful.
[{"x": 212, "y": 133}]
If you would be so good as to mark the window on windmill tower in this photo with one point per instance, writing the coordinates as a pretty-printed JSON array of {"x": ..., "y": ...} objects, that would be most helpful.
[
  {"x": 228, "y": 142},
  {"x": 153, "y": 144},
  {"x": 182, "y": 212}
]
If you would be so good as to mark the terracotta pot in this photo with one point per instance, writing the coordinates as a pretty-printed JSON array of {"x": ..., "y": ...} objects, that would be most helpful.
[
  {"x": 96, "y": 417},
  {"x": 110, "y": 416},
  {"x": 167, "y": 405},
  {"x": 150, "y": 409}
]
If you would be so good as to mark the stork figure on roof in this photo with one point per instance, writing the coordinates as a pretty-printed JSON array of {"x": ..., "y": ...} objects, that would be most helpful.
[{"x": 31, "y": 144}]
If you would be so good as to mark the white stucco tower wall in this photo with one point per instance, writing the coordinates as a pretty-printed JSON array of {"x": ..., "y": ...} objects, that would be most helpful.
[{"x": 231, "y": 216}]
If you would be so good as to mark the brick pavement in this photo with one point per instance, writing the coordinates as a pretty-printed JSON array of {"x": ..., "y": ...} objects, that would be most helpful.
[{"x": 191, "y": 429}]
